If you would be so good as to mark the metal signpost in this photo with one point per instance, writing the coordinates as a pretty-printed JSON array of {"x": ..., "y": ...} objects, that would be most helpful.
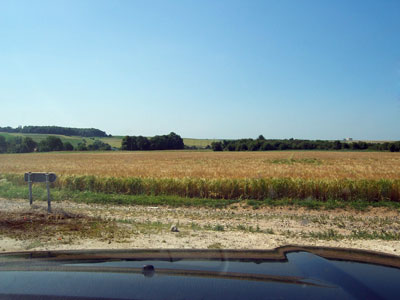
[{"x": 40, "y": 177}]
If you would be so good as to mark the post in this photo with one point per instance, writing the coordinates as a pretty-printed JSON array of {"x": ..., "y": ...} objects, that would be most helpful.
[
  {"x": 30, "y": 187},
  {"x": 48, "y": 193}
]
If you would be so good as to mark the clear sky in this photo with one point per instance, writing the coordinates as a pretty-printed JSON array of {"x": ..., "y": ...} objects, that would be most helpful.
[{"x": 205, "y": 69}]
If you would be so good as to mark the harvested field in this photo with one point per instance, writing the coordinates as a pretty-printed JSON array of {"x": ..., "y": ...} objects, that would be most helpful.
[{"x": 211, "y": 165}]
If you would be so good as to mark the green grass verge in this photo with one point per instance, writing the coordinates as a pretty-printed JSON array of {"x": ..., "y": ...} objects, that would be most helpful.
[{"x": 11, "y": 191}]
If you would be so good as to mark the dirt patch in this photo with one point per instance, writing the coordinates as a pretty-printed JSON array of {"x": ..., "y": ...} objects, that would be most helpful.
[
  {"x": 36, "y": 222},
  {"x": 35, "y": 228},
  {"x": 83, "y": 226}
]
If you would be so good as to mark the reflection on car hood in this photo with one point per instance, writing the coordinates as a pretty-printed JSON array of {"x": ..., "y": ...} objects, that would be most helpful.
[{"x": 289, "y": 272}]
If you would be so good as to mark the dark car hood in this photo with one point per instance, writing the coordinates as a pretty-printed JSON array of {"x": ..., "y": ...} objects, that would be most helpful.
[{"x": 285, "y": 272}]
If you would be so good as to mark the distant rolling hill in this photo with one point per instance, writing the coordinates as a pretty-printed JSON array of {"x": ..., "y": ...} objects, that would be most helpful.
[
  {"x": 74, "y": 140},
  {"x": 200, "y": 143},
  {"x": 114, "y": 141}
]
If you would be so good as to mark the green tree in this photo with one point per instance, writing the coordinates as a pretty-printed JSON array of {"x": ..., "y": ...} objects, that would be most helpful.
[
  {"x": 255, "y": 145},
  {"x": 99, "y": 145},
  {"x": 242, "y": 147},
  {"x": 14, "y": 145},
  {"x": 355, "y": 146},
  {"x": 129, "y": 143},
  {"x": 267, "y": 146},
  {"x": 230, "y": 147},
  {"x": 216, "y": 146},
  {"x": 283, "y": 146},
  {"x": 28, "y": 145},
  {"x": 82, "y": 147},
  {"x": 68, "y": 146},
  {"x": 3, "y": 144},
  {"x": 142, "y": 143},
  {"x": 175, "y": 141},
  {"x": 51, "y": 143},
  {"x": 337, "y": 145},
  {"x": 159, "y": 142},
  {"x": 394, "y": 147}
]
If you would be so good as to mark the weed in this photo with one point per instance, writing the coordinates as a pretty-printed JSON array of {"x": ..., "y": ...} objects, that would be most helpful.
[
  {"x": 241, "y": 227},
  {"x": 374, "y": 235},
  {"x": 219, "y": 227},
  {"x": 215, "y": 246},
  {"x": 329, "y": 234},
  {"x": 341, "y": 224},
  {"x": 34, "y": 244},
  {"x": 195, "y": 226}
]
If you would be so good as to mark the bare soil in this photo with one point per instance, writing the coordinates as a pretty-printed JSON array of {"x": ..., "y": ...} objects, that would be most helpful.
[{"x": 82, "y": 226}]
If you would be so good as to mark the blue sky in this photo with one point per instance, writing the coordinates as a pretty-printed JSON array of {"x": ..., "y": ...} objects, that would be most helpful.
[{"x": 204, "y": 69}]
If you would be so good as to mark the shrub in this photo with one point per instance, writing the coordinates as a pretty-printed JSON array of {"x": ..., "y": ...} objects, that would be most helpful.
[
  {"x": 68, "y": 146},
  {"x": 216, "y": 146}
]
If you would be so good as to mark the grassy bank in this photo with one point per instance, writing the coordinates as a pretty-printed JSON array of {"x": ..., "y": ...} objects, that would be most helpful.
[
  {"x": 39, "y": 193},
  {"x": 12, "y": 191}
]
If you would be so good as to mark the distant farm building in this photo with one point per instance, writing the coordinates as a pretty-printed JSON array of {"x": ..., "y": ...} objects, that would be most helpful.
[{"x": 348, "y": 139}]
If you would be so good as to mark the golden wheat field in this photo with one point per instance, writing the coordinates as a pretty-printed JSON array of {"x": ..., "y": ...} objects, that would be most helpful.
[{"x": 210, "y": 165}]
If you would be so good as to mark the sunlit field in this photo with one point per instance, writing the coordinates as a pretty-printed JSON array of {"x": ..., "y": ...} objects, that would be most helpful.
[
  {"x": 372, "y": 176},
  {"x": 179, "y": 164}
]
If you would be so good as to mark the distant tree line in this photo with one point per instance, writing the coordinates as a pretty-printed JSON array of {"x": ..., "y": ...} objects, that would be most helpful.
[
  {"x": 261, "y": 144},
  {"x": 97, "y": 145},
  {"x": 51, "y": 143},
  {"x": 86, "y": 132},
  {"x": 158, "y": 142},
  {"x": 17, "y": 145}
]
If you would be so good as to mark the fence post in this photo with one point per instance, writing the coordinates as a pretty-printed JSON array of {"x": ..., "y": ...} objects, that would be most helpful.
[
  {"x": 48, "y": 193},
  {"x": 30, "y": 187}
]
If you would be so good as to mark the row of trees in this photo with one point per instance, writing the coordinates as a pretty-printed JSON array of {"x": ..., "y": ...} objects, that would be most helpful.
[
  {"x": 97, "y": 145},
  {"x": 17, "y": 145},
  {"x": 158, "y": 142},
  {"x": 27, "y": 144},
  {"x": 261, "y": 144},
  {"x": 86, "y": 132},
  {"x": 51, "y": 143}
]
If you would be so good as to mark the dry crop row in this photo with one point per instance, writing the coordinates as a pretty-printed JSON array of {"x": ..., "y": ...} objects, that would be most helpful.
[{"x": 316, "y": 165}]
